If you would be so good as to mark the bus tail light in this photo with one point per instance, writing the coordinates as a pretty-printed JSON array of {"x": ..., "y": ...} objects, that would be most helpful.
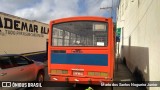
[
  {"x": 59, "y": 71},
  {"x": 104, "y": 74}
]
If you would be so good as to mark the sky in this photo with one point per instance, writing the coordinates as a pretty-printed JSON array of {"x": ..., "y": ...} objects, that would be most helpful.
[{"x": 46, "y": 10}]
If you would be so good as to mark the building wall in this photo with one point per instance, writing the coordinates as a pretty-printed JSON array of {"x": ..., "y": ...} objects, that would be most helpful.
[
  {"x": 140, "y": 38},
  {"x": 19, "y": 35}
]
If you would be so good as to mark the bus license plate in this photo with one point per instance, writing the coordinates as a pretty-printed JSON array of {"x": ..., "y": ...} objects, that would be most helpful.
[{"x": 77, "y": 73}]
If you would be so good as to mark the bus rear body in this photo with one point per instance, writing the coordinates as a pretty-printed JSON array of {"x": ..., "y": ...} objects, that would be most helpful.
[{"x": 81, "y": 50}]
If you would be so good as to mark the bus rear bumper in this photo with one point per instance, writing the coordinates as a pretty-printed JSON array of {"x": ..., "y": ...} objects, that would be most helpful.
[{"x": 80, "y": 80}]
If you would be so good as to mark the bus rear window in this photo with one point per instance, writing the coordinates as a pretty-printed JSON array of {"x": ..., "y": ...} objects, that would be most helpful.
[{"x": 80, "y": 33}]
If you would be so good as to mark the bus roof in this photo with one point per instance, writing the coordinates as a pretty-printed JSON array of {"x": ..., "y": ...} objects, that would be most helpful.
[{"x": 81, "y": 18}]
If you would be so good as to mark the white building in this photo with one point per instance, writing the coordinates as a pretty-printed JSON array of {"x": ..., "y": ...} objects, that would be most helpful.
[{"x": 140, "y": 40}]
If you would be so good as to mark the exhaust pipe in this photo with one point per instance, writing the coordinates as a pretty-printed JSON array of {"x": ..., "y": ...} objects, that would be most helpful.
[
  {"x": 76, "y": 80},
  {"x": 55, "y": 79}
]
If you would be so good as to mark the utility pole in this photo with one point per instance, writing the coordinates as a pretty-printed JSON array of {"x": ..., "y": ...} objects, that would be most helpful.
[{"x": 109, "y": 8}]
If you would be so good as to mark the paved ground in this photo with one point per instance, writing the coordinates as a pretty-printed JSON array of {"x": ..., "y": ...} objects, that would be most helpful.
[{"x": 122, "y": 73}]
